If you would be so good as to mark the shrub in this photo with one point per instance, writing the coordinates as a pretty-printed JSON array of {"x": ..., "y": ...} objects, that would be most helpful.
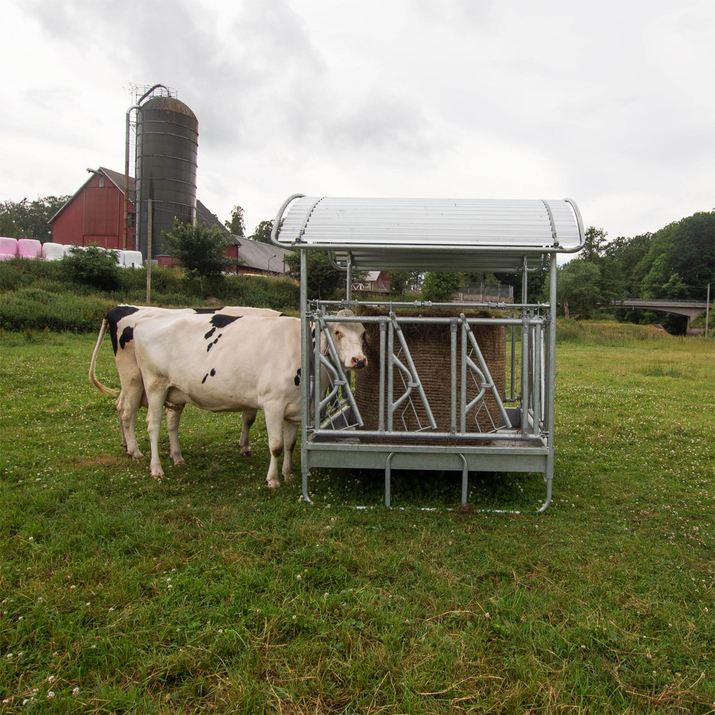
[{"x": 92, "y": 266}]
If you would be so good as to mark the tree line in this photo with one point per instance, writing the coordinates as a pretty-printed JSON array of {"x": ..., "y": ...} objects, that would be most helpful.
[{"x": 676, "y": 262}]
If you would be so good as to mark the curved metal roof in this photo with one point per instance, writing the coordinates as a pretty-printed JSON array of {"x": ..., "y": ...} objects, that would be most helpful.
[{"x": 431, "y": 234}]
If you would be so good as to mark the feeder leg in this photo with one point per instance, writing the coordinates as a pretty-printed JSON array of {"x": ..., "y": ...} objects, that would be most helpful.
[
  {"x": 465, "y": 480},
  {"x": 548, "y": 478},
  {"x": 305, "y": 473},
  {"x": 388, "y": 478}
]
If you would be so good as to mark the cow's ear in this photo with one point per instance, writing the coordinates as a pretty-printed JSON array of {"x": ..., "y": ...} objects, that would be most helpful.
[{"x": 338, "y": 334}]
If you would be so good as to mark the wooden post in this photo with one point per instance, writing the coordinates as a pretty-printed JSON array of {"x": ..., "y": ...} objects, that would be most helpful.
[
  {"x": 707, "y": 312},
  {"x": 150, "y": 236}
]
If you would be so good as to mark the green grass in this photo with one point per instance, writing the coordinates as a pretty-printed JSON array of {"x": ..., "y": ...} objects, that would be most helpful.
[{"x": 208, "y": 593}]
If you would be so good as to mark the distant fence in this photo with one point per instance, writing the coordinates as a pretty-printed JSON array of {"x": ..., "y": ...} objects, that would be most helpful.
[{"x": 486, "y": 292}]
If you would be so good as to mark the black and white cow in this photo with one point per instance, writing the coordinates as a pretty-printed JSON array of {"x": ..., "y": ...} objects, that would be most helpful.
[
  {"x": 120, "y": 322},
  {"x": 244, "y": 364}
]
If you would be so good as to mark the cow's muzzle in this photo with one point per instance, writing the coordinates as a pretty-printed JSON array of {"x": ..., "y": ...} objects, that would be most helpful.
[{"x": 359, "y": 362}]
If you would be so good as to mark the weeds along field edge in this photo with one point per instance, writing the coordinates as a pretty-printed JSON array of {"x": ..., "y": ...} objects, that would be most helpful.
[{"x": 206, "y": 592}]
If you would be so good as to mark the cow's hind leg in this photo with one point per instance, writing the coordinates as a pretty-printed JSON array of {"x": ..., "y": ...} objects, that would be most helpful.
[
  {"x": 173, "y": 417},
  {"x": 274, "y": 427},
  {"x": 290, "y": 435},
  {"x": 248, "y": 417},
  {"x": 128, "y": 404},
  {"x": 156, "y": 396}
]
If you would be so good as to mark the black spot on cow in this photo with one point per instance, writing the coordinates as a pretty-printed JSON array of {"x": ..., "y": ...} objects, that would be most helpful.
[
  {"x": 210, "y": 333},
  {"x": 282, "y": 315},
  {"x": 203, "y": 311},
  {"x": 221, "y": 321},
  {"x": 113, "y": 316},
  {"x": 126, "y": 337},
  {"x": 205, "y": 378},
  {"x": 296, "y": 379},
  {"x": 214, "y": 342},
  {"x": 212, "y": 373}
]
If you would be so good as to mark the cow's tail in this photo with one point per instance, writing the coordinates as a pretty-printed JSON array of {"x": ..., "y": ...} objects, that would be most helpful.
[{"x": 93, "y": 364}]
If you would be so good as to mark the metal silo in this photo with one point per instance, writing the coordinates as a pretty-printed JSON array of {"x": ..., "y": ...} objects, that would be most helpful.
[{"x": 167, "y": 149}]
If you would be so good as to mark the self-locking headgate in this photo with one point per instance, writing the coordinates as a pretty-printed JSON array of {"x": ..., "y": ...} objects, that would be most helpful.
[{"x": 455, "y": 385}]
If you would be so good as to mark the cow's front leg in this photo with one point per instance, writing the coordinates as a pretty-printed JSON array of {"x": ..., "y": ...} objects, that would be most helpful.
[
  {"x": 156, "y": 396},
  {"x": 248, "y": 417},
  {"x": 274, "y": 427},
  {"x": 173, "y": 417},
  {"x": 290, "y": 435}
]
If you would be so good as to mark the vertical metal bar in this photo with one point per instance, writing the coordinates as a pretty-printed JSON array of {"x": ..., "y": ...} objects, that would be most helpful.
[
  {"x": 390, "y": 374},
  {"x": 349, "y": 279},
  {"x": 513, "y": 360},
  {"x": 525, "y": 374},
  {"x": 318, "y": 368},
  {"x": 305, "y": 373},
  {"x": 536, "y": 393},
  {"x": 383, "y": 361},
  {"x": 453, "y": 373},
  {"x": 463, "y": 376},
  {"x": 551, "y": 382}
]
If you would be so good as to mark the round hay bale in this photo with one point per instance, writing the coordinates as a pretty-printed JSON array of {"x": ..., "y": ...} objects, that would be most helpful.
[{"x": 429, "y": 346}]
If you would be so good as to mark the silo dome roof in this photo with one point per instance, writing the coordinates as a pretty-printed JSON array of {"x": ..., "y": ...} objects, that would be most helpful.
[{"x": 168, "y": 104}]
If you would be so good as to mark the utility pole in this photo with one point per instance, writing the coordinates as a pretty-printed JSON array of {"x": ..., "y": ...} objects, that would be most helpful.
[{"x": 150, "y": 236}]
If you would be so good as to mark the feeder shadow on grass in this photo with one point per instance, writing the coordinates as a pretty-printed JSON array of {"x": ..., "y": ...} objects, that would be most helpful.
[{"x": 427, "y": 489}]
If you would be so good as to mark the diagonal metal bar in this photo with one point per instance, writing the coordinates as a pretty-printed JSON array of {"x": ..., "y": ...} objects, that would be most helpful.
[
  {"x": 333, "y": 353},
  {"x": 412, "y": 370},
  {"x": 488, "y": 382}
]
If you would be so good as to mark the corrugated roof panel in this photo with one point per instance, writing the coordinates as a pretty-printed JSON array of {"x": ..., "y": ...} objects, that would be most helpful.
[{"x": 443, "y": 234}]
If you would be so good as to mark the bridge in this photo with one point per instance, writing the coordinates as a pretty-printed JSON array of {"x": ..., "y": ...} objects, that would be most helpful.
[{"x": 691, "y": 308}]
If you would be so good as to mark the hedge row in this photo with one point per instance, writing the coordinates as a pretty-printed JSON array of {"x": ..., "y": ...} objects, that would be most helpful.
[{"x": 35, "y": 295}]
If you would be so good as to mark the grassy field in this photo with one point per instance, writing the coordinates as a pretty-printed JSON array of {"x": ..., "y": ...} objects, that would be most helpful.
[{"x": 207, "y": 593}]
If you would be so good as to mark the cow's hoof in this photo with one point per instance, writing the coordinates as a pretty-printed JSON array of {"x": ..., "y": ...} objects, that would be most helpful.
[
  {"x": 137, "y": 455},
  {"x": 247, "y": 453},
  {"x": 179, "y": 462},
  {"x": 273, "y": 483},
  {"x": 288, "y": 478}
]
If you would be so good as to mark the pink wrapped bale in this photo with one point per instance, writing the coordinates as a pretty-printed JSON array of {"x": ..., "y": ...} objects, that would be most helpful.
[
  {"x": 8, "y": 248},
  {"x": 29, "y": 248}
]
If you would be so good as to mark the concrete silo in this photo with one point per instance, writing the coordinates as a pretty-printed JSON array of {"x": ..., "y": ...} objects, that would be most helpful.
[{"x": 166, "y": 155}]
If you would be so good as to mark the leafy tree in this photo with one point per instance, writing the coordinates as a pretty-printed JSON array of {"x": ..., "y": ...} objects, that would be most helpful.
[
  {"x": 399, "y": 280},
  {"x": 323, "y": 278},
  {"x": 236, "y": 224},
  {"x": 199, "y": 249},
  {"x": 92, "y": 266},
  {"x": 594, "y": 244},
  {"x": 685, "y": 249},
  {"x": 577, "y": 287},
  {"x": 30, "y": 219},
  {"x": 439, "y": 287},
  {"x": 262, "y": 232}
]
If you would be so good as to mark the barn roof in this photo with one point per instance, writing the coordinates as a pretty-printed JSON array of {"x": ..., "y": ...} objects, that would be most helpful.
[
  {"x": 261, "y": 256},
  {"x": 431, "y": 234}
]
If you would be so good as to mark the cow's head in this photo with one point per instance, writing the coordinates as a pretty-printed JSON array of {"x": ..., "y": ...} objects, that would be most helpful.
[{"x": 347, "y": 338}]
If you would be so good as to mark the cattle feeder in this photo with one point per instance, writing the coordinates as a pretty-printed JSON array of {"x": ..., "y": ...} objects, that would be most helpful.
[{"x": 457, "y": 386}]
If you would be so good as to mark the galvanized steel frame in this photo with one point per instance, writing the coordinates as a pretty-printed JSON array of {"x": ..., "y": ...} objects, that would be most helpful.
[{"x": 524, "y": 440}]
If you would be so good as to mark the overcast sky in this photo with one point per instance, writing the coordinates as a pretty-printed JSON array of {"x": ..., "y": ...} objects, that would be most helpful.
[{"x": 611, "y": 104}]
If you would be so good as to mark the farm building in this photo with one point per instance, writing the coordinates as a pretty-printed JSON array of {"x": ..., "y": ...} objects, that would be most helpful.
[{"x": 95, "y": 215}]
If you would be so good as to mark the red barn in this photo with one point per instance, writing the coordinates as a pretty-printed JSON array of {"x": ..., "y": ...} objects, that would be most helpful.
[{"x": 95, "y": 214}]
